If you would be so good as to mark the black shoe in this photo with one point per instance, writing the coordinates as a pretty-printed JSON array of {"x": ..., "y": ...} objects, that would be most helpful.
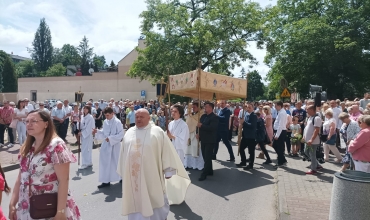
[
  {"x": 120, "y": 181},
  {"x": 231, "y": 160},
  {"x": 241, "y": 164},
  {"x": 214, "y": 158},
  {"x": 267, "y": 162},
  {"x": 202, "y": 178},
  {"x": 103, "y": 185},
  {"x": 210, "y": 174},
  {"x": 248, "y": 168}
]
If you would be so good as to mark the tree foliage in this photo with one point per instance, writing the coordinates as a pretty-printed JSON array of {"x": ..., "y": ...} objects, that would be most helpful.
[
  {"x": 67, "y": 55},
  {"x": 25, "y": 68},
  {"x": 112, "y": 66},
  {"x": 42, "y": 48},
  {"x": 179, "y": 33},
  {"x": 7, "y": 72},
  {"x": 323, "y": 42},
  {"x": 255, "y": 89},
  {"x": 98, "y": 62},
  {"x": 86, "y": 54},
  {"x": 55, "y": 70},
  {"x": 242, "y": 73}
]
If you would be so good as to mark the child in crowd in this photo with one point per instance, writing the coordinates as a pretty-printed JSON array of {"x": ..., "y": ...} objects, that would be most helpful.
[
  {"x": 3, "y": 187},
  {"x": 296, "y": 136}
]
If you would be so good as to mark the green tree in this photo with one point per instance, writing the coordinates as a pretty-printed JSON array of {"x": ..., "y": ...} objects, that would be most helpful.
[
  {"x": 25, "y": 68},
  {"x": 242, "y": 73},
  {"x": 98, "y": 62},
  {"x": 8, "y": 75},
  {"x": 42, "y": 48},
  {"x": 55, "y": 70},
  {"x": 112, "y": 66},
  {"x": 320, "y": 42},
  {"x": 67, "y": 55},
  {"x": 255, "y": 88},
  {"x": 86, "y": 55},
  {"x": 179, "y": 33}
]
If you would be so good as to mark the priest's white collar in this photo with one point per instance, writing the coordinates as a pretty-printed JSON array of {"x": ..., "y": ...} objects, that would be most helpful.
[{"x": 143, "y": 128}]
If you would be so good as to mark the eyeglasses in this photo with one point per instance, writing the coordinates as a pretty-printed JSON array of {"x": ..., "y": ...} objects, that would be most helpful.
[{"x": 32, "y": 122}]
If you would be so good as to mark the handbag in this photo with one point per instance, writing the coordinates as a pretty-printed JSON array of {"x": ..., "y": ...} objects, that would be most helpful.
[
  {"x": 13, "y": 124},
  {"x": 267, "y": 139},
  {"x": 44, "y": 205}
]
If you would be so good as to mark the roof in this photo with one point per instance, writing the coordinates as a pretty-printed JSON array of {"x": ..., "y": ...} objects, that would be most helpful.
[{"x": 18, "y": 57}]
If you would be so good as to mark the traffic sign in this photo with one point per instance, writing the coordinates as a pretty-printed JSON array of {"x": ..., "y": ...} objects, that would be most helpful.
[{"x": 285, "y": 93}]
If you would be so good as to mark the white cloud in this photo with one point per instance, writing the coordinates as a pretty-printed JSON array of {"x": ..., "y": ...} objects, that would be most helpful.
[{"x": 112, "y": 26}]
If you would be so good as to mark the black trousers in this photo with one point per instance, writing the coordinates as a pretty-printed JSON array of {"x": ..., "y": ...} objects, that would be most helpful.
[
  {"x": 10, "y": 132},
  {"x": 287, "y": 141},
  {"x": 279, "y": 146},
  {"x": 58, "y": 128},
  {"x": 224, "y": 136},
  {"x": 65, "y": 128},
  {"x": 207, "y": 152},
  {"x": 251, "y": 145},
  {"x": 263, "y": 148}
]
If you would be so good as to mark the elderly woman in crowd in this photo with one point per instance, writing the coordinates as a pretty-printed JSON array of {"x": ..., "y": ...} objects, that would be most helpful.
[
  {"x": 329, "y": 130},
  {"x": 360, "y": 146},
  {"x": 349, "y": 131}
]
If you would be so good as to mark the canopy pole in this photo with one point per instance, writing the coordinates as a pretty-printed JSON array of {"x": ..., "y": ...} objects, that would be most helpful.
[
  {"x": 199, "y": 102},
  {"x": 169, "y": 87},
  {"x": 242, "y": 118}
]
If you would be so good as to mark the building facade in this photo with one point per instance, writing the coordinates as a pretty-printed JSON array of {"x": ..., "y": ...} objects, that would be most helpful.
[{"x": 100, "y": 85}]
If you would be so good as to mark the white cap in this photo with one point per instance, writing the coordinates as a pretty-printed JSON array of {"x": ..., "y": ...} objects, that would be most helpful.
[{"x": 59, "y": 102}]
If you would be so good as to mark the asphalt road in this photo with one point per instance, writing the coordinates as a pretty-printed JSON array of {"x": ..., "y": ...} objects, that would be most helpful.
[{"x": 229, "y": 194}]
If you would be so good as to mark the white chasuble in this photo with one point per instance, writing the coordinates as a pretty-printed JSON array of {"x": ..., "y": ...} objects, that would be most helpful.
[
  {"x": 193, "y": 154},
  {"x": 146, "y": 156},
  {"x": 180, "y": 130},
  {"x": 109, "y": 150}
]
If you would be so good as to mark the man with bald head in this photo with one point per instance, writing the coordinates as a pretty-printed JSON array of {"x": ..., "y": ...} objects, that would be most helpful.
[
  {"x": 147, "y": 161},
  {"x": 111, "y": 135}
]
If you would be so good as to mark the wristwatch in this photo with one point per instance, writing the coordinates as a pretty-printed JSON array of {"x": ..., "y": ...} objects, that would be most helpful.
[{"x": 61, "y": 211}]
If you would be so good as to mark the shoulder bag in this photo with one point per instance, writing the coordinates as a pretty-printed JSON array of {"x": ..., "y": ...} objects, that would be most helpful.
[
  {"x": 13, "y": 124},
  {"x": 44, "y": 205}
]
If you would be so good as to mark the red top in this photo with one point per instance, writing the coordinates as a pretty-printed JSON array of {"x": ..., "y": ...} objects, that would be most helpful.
[
  {"x": 78, "y": 74},
  {"x": 236, "y": 111},
  {"x": 2, "y": 183},
  {"x": 6, "y": 114}
]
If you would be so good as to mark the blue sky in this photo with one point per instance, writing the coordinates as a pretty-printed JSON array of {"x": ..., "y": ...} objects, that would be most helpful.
[{"x": 112, "y": 26}]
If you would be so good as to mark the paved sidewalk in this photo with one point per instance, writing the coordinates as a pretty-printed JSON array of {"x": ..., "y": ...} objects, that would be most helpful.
[{"x": 304, "y": 196}]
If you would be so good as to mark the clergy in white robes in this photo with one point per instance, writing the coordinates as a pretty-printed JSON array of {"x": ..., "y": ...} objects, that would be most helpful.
[
  {"x": 193, "y": 154},
  {"x": 178, "y": 131},
  {"x": 86, "y": 127},
  {"x": 111, "y": 134},
  {"x": 147, "y": 160}
]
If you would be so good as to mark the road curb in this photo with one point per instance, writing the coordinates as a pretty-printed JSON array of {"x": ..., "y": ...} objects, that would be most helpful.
[
  {"x": 15, "y": 166},
  {"x": 282, "y": 204}
]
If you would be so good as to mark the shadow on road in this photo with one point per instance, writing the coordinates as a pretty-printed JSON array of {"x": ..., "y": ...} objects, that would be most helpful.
[
  {"x": 113, "y": 192},
  {"x": 228, "y": 181},
  {"x": 183, "y": 211},
  {"x": 84, "y": 172}
]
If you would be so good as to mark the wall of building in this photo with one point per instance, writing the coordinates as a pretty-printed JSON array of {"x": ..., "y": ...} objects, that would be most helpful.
[
  {"x": 101, "y": 85},
  {"x": 12, "y": 97}
]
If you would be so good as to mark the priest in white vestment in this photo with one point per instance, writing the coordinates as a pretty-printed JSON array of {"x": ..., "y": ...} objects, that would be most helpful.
[
  {"x": 86, "y": 126},
  {"x": 152, "y": 173},
  {"x": 111, "y": 134},
  {"x": 193, "y": 154},
  {"x": 178, "y": 131}
]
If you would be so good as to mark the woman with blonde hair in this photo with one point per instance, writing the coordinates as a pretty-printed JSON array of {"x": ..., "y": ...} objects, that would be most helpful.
[
  {"x": 44, "y": 169},
  {"x": 329, "y": 130},
  {"x": 268, "y": 122}
]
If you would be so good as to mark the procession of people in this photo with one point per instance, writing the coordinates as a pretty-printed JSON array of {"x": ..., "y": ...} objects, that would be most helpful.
[{"x": 150, "y": 160}]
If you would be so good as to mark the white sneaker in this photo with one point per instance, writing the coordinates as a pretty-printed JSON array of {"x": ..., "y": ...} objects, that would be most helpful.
[
  {"x": 10, "y": 145},
  {"x": 82, "y": 167}
]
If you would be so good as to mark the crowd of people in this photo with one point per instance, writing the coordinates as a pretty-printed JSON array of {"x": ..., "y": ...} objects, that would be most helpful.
[{"x": 180, "y": 136}]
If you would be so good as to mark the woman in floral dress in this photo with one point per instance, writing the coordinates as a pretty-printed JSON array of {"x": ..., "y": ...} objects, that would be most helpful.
[{"x": 44, "y": 163}]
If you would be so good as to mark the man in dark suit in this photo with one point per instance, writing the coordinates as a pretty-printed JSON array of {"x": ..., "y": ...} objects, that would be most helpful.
[
  {"x": 207, "y": 135},
  {"x": 223, "y": 130},
  {"x": 248, "y": 138}
]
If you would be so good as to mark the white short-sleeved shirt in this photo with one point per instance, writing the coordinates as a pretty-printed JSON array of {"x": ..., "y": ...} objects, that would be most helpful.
[
  {"x": 310, "y": 128},
  {"x": 22, "y": 113}
]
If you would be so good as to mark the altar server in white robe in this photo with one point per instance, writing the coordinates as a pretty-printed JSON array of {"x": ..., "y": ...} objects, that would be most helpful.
[
  {"x": 152, "y": 173},
  {"x": 111, "y": 134},
  {"x": 193, "y": 154},
  {"x": 178, "y": 131},
  {"x": 86, "y": 126}
]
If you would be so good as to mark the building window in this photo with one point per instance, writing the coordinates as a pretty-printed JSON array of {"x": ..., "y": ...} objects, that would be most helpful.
[{"x": 33, "y": 95}]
